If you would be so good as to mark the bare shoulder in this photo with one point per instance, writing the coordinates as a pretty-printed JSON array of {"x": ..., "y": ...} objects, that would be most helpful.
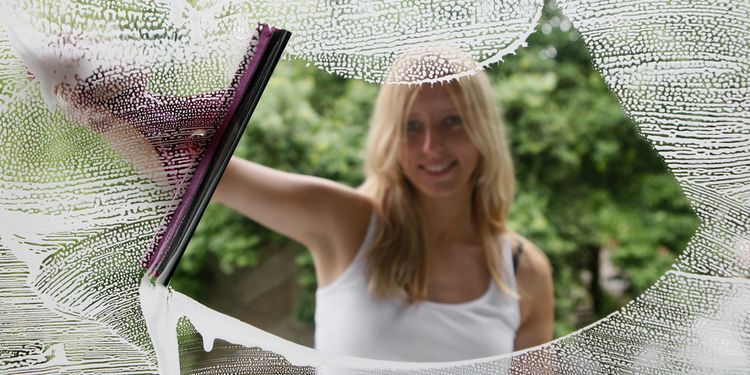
[
  {"x": 350, "y": 207},
  {"x": 533, "y": 264},
  {"x": 535, "y": 289}
]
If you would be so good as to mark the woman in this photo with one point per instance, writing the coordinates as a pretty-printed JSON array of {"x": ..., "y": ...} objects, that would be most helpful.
[{"x": 404, "y": 262}]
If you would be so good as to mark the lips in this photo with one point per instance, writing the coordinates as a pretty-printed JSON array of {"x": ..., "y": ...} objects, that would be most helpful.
[{"x": 438, "y": 169}]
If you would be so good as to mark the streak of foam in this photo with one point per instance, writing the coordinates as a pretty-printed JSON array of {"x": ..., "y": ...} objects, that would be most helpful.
[
  {"x": 69, "y": 229},
  {"x": 363, "y": 38},
  {"x": 355, "y": 39},
  {"x": 682, "y": 72},
  {"x": 685, "y": 324},
  {"x": 163, "y": 310}
]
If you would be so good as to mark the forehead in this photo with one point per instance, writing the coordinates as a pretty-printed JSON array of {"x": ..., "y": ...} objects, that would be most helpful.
[{"x": 433, "y": 98}]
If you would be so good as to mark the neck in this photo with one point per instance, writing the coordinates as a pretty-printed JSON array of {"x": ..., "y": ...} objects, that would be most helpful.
[{"x": 448, "y": 220}]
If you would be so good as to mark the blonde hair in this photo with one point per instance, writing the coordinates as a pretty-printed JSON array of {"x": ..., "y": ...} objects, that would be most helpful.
[{"x": 397, "y": 258}]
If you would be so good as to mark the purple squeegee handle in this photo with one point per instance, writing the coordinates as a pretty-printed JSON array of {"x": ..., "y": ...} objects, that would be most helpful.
[{"x": 161, "y": 249}]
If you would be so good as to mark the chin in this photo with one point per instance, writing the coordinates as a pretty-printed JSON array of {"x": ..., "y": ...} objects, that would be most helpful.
[
  {"x": 435, "y": 192},
  {"x": 453, "y": 187}
]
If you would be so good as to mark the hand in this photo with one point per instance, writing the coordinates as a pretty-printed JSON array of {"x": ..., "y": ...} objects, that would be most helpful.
[
  {"x": 162, "y": 136},
  {"x": 94, "y": 104}
]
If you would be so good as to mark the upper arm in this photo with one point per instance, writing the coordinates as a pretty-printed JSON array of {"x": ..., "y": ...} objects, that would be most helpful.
[
  {"x": 535, "y": 289},
  {"x": 323, "y": 215}
]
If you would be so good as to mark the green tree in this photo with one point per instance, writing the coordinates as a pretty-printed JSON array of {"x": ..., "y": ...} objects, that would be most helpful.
[
  {"x": 308, "y": 122},
  {"x": 587, "y": 181}
]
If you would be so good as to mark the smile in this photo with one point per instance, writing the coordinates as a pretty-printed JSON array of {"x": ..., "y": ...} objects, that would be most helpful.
[{"x": 438, "y": 168}]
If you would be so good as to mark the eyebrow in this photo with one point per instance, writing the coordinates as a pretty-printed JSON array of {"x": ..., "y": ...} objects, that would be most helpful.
[
  {"x": 440, "y": 114},
  {"x": 453, "y": 110}
]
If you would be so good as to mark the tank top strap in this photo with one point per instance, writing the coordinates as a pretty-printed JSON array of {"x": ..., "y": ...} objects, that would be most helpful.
[
  {"x": 506, "y": 262},
  {"x": 372, "y": 227},
  {"x": 499, "y": 300}
]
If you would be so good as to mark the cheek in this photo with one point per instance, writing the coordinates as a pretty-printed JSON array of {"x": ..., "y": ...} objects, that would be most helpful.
[
  {"x": 476, "y": 158},
  {"x": 403, "y": 156},
  {"x": 472, "y": 157},
  {"x": 411, "y": 142},
  {"x": 466, "y": 147}
]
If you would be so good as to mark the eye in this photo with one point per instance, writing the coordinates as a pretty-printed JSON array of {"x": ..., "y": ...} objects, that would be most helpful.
[
  {"x": 413, "y": 126},
  {"x": 453, "y": 121}
]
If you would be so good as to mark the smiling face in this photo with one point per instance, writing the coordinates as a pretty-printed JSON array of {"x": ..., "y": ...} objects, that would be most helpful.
[{"x": 437, "y": 154}]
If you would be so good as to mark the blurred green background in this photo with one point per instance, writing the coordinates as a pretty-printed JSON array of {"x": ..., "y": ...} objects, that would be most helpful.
[{"x": 592, "y": 193}]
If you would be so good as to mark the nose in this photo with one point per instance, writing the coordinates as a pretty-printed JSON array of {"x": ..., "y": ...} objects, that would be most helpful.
[{"x": 433, "y": 141}]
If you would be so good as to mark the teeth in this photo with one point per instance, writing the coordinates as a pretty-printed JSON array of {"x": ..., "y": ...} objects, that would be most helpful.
[{"x": 437, "y": 168}]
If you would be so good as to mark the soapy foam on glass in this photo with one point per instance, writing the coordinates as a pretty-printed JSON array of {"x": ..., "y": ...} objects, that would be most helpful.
[{"x": 76, "y": 214}]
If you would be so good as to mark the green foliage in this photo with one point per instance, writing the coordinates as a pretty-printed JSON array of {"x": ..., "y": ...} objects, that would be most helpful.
[
  {"x": 307, "y": 121},
  {"x": 586, "y": 179},
  {"x": 305, "y": 310}
]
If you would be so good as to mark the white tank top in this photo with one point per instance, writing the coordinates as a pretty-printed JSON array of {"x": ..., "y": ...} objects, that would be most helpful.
[{"x": 348, "y": 320}]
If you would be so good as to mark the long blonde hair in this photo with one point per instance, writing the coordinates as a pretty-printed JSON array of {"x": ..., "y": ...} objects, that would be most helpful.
[{"x": 397, "y": 258}]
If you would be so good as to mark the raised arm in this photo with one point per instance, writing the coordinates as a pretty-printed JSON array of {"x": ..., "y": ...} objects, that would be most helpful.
[{"x": 328, "y": 218}]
